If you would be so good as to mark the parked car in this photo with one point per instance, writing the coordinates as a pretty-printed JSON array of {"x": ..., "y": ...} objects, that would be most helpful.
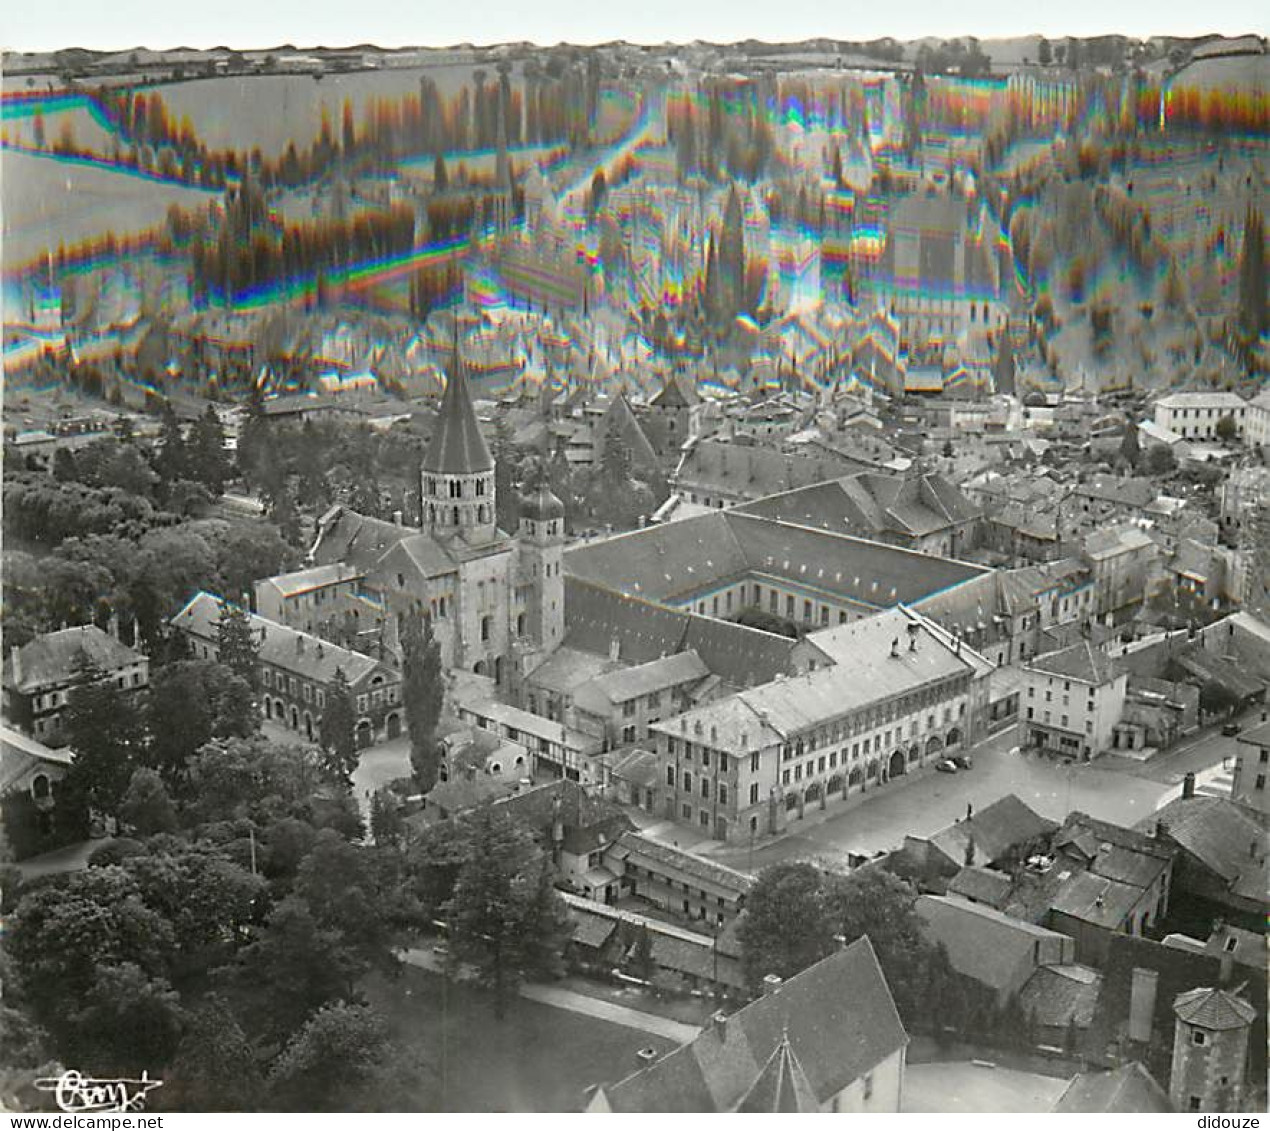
[
  {"x": 963, "y": 761},
  {"x": 1230, "y": 729},
  {"x": 946, "y": 766}
]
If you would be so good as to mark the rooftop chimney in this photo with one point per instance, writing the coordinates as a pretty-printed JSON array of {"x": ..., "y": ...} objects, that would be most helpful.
[
  {"x": 895, "y": 647},
  {"x": 771, "y": 983},
  {"x": 1188, "y": 786},
  {"x": 615, "y": 648},
  {"x": 299, "y": 642},
  {"x": 646, "y": 1056},
  {"x": 840, "y": 941},
  {"x": 398, "y": 519},
  {"x": 719, "y": 1023},
  {"x": 15, "y": 658}
]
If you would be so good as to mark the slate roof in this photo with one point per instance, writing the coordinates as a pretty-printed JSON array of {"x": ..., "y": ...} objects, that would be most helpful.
[
  {"x": 1081, "y": 661},
  {"x": 672, "y": 563},
  {"x": 871, "y": 505},
  {"x": 1225, "y": 837},
  {"x": 52, "y": 657},
  {"x": 634, "y": 844},
  {"x": 293, "y": 651},
  {"x": 982, "y": 943},
  {"x": 981, "y": 885},
  {"x": 838, "y": 1017},
  {"x": 596, "y": 617},
  {"x": 457, "y": 446},
  {"x": 1091, "y": 898},
  {"x": 751, "y": 471},
  {"x": 1059, "y": 996},
  {"x": 380, "y": 550},
  {"x": 656, "y": 675},
  {"x": 996, "y": 829},
  {"x": 316, "y": 577},
  {"x": 619, "y": 417},
  {"x": 19, "y": 752},
  {"x": 1129, "y": 1088}
]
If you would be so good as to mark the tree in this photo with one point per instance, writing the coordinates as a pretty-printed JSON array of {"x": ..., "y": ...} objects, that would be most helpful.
[
  {"x": 1130, "y": 447},
  {"x": 1252, "y": 278},
  {"x": 877, "y": 904},
  {"x": 62, "y": 932},
  {"x": 294, "y": 967},
  {"x": 1227, "y": 429},
  {"x": 333, "y": 1058},
  {"x": 338, "y": 729},
  {"x": 785, "y": 928},
  {"x": 190, "y": 703},
  {"x": 104, "y": 729},
  {"x": 423, "y": 693},
  {"x": 208, "y": 899},
  {"x": 387, "y": 825},
  {"x": 146, "y": 807},
  {"x": 237, "y": 645},
  {"x": 215, "y": 1068},
  {"x": 235, "y": 778},
  {"x": 171, "y": 459},
  {"x": 1160, "y": 460},
  {"x": 347, "y": 889},
  {"x": 206, "y": 457},
  {"x": 504, "y": 920},
  {"x": 128, "y": 1022},
  {"x": 1044, "y": 52}
]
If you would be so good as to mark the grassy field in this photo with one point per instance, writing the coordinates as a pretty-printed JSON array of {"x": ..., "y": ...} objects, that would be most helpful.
[
  {"x": 50, "y": 201},
  {"x": 538, "y": 1058},
  {"x": 269, "y": 111}
]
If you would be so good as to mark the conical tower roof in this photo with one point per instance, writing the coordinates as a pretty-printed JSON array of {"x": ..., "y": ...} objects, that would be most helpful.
[
  {"x": 457, "y": 446},
  {"x": 781, "y": 1086}
]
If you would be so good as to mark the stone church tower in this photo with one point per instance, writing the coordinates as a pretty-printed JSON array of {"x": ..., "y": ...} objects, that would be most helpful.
[
  {"x": 457, "y": 480},
  {"x": 540, "y": 546}
]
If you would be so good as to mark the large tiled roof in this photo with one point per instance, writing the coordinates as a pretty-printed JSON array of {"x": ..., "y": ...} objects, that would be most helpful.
[
  {"x": 281, "y": 646},
  {"x": 54, "y": 657},
  {"x": 871, "y": 505},
  {"x": 457, "y": 446},
  {"x": 982, "y": 943},
  {"x": 751, "y": 471},
  {"x": 1129, "y": 1088},
  {"x": 596, "y": 619},
  {"x": 838, "y": 1017},
  {"x": 673, "y": 563},
  {"x": 1225, "y": 837}
]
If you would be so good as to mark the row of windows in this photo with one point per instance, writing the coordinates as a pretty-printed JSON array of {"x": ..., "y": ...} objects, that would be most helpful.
[
  {"x": 454, "y": 487},
  {"x": 1063, "y": 720},
  {"x": 636, "y": 872},
  {"x": 52, "y": 699}
]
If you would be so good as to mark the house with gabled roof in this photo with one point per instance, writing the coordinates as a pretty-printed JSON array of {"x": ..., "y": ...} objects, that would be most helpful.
[
  {"x": 828, "y": 1039},
  {"x": 40, "y": 675},
  {"x": 295, "y": 671}
]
